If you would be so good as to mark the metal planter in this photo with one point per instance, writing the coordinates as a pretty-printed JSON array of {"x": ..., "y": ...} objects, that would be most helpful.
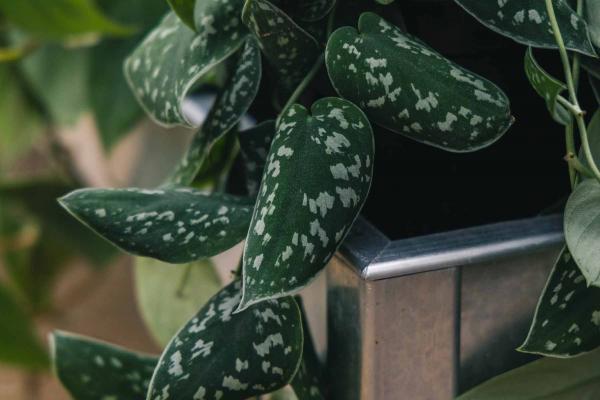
[{"x": 430, "y": 317}]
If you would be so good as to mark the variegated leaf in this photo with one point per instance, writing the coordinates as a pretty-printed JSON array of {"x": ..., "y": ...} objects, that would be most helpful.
[
  {"x": 567, "y": 318},
  {"x": 227, "y": 111},
  {"x": 255, "y": 144},
  {"x": 306, "y": 10},
  {"x": 410, "y": 89},
  {"x": 172, "y": 225},
  {"x": 93, "y": 370},
  {"x": 172, "y": 58},
  {"x": 548, "y": 87},
  {"x": 316, "y": 181},
  {"x": 218, "y": 355},
  {"x": 582, "y": 229},
  {"x": 290, "y": 49},
  {"x": 527, "y": 22}
]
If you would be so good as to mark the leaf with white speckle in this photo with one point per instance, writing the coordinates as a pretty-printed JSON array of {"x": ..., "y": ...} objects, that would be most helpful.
[
  {"x": 567, "y": 319},
  {"x": 221, "y": 355},
  {"x": 306, "y": 10},
  {"x": 255, "y": 144},
  {"x": 230, "y": 106},
  {"x": 316, "y": 181},
  {"x": 548, "y": 87},
  {"x": 410, "y": 89},
  {"x": 172, "y": 58},
  {"x": 94, "y": 370},
  {"x": 527, "y": 22},
  {"x": 171, "y": 225},
  {"x": 290, "y": 49}
]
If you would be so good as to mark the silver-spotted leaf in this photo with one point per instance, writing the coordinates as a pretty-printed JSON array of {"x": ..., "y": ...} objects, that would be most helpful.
[
  {"x": 218, "y": 355},
  {"x": 582, "y": 229},
  {"x": 317, "y": 178},
  {"x": 184, "y": 10},
  {"x": 230, "y": 106},
  {"x": 255, "y": 144},
  {"x": 548, "y": 379},
  {"x": 527, "y": 22},
  {"x": 172, "y": 58},
  {"x": 567, "y": 318},
  {"x": 169, "y": 295},
  {"x": 94, "y": 370},
  {"x": 306, "y": 10},
  {"x": 548, "y": 87},
  {"x": 171, "y": 225},
  {"x": 290, "y": 49},
  {"x": 408, "y": 88}
]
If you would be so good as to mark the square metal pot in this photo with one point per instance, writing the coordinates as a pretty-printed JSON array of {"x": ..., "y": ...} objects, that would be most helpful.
[{"x": 429, "y": 317}]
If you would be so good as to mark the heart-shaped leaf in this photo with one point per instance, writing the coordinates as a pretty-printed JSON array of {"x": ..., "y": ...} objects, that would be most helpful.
[
  {"x": 316, "y": 181},
  {"x": 227, "y": 111},
  {"x": 172, "y": 225},
  {"x": 183, "y": 289},
  {"x": 184, "y": 10},
  {"x": 59, "y": 18},
  {"x": 290, "y": 49},
  {"x": 582, "y": 229},
  {"x": 527, "y": 22},
  {"x": 567, "y": 318},
  {"x": 410, "y": 89},
  {"x": 93, "y": 370},
  {"x": 548, "y": 87},
  {"x": 306, "y": 10},
  {"x": 548, "y": 379},
  {"x": 172, "y": 58},
  {"x": 255, "y": 144},
  {"x": 224, "y": 356}
]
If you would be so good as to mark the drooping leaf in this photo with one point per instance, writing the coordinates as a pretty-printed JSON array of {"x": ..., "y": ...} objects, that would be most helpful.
[
  {"x": 306, "y": 10},
  {"x": 592, "y": 16},
  {"x": 593, "y": 131},
  {"x": 184, "y": 10},
  {"x": 172, "y": 58},
  {"x": 172, "y": 225},
  {"x": 234, "y": 357},
  {"x": 183, "y": 290},
  {"x": 94, "y": 370},
  {"x": 548, "y": 87},
  {"x": 290, "y": 49},
  {"x": 582, "y": 229},
  {"x": 567, "y": 318},
  {"x": 19, "y": 345},
  {"x": 316, "y": 181},
  {"x": 527, "y": 22},
  {"x": 548, "y": 379},
  {"x": 255, "y": 144},
  {"x": 227, "y": 111},
  {"x": 59, "y": 18},
  {"x": 410, "y": 89}
]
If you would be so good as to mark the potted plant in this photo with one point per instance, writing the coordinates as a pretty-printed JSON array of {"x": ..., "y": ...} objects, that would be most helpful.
[{"x": 326, "y": 81}]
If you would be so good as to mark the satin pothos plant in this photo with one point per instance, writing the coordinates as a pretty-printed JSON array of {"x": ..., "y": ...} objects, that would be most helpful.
[{"x": 308, "y": 170}]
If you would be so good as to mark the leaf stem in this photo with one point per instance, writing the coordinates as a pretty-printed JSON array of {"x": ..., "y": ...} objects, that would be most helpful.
[
  {"x": 577, "y": 165},
  {"x": 578, "y": 114},
  {"x": 184, "y": 280}
]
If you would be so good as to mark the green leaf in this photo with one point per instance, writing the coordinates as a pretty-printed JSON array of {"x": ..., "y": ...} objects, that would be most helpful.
[
  {"x": 582, "y": 229},
  {"x": 527, "y": 22},
  {"x": 172, "y": 58},
  {"x": 316, "y": 181},
  {"x": 18, "y": 342},
  {"x": 548, "y": 379},
  {"x": 408, "y": 88},
  {"x": 183, "y": 289},
  {"x": 593, "y": 132},
  {"x": 234, "y": 357},
  {"x": 59, "y": 18},
  {"x": 592, "y": 16},
  {"x": 306, "y": 10},
  {"x": 184, "y": 10},
  {"x": 94, "y": 370},
  {"x": 290, "y": 49},
  {"x": 233, "y": 102},
  {"x": 548, "y": 87},
  {"x": 172, "y": 225},
  {"x": 254, "y": 145},
  {"x": 385, "y": 2},
  {"x": 567, "y": 318}
]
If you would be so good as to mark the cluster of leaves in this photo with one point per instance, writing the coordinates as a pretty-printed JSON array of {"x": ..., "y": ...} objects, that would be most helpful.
[{"x": 308, "y": 173}]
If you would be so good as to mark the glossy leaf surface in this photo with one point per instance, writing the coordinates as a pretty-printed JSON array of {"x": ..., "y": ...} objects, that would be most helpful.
[
  {"x": 184, "y": 10},
  {"x": 255, "y": 144}
]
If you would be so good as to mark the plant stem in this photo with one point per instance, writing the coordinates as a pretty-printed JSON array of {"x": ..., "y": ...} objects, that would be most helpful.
[
  {"x": 576, "y": 110},
  {"x": 302, "y": 86},
  {"x": 577, "y": 165},
  {"x": 184, "y": 280}
]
